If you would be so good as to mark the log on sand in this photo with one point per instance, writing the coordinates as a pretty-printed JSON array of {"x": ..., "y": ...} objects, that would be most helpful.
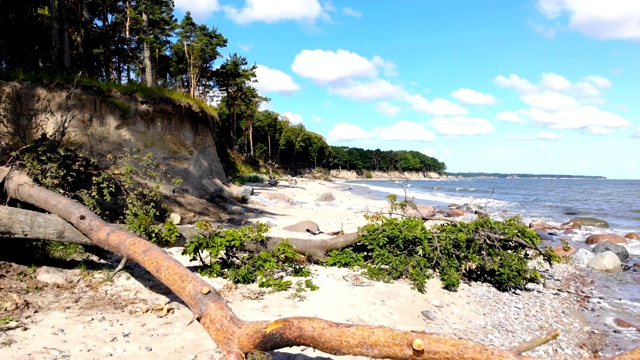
[{"x": 237, "y": 337}]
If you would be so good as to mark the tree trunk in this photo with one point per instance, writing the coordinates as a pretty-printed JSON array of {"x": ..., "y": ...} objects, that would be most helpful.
[
  {"x": 26, "y": 224},
  {"x": 146, "y": 51},
  {"x": 236, "y": 337},
  {"x": 66, "y": 52},
  {"x": 55, "y": 35},
  {"x": 127, "y": 33}
]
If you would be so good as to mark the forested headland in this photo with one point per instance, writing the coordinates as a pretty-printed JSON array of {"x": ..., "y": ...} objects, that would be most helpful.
[{"x": 138, "y": 46}]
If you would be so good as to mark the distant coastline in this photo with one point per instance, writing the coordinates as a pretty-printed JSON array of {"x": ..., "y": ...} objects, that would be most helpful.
[{"x": 521, "y": 176}]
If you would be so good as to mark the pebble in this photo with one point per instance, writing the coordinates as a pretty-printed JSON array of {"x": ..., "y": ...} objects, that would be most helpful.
[
  {"x": 429, "y": 315},
  {"x": 148, "y": 348}
]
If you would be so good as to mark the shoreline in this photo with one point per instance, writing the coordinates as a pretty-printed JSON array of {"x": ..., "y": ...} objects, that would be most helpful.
[{"x": 94, "y": 312}]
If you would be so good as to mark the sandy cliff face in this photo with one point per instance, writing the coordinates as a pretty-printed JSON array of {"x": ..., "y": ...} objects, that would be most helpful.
[{"x": 179, "y": 136}]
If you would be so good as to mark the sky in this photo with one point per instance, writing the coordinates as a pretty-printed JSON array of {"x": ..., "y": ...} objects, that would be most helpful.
[{"x": 509, "y": 86}]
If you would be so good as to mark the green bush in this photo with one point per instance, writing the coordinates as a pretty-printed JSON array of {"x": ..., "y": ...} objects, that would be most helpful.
[
  {"x": 495, "y": 252},
  {"x": 221, "y": 254}
]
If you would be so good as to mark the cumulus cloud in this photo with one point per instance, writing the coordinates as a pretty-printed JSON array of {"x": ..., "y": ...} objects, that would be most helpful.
[
  {"x": 551, "y": 101},
  {"x": 351, "y": 12},
  {"x": 428, "y": 152},
  {"x": 388, "y": 67},
  {"x": 294, "y": 118},
  {"x": 347, "y": 132},
  {"x": 509, "y": 116},
  {"x": 613, "y": 19},
  {"x": 599, "y": 130},
  {"x": 599, "y": 81},
  {"x": 324, "y": 66},
  {"x": 200, "y": 9},
  {"x": 515, "y": 82},
  {"x": 459, "y": 125},
  {"x": 436, "y": 107},
  {"x": 271, "y": 11},
  {"x": 472, "y": 97},
  {"x": 272, "y": 80},
  {"x": 387, "y": 109},
  {"x": 555, "y": 82},
  {"x": 403, "y": 130},
  {"x": 377, "y": 89},
  {"x": 636, "y": 134},
  {"x": 584, "y": 117}
]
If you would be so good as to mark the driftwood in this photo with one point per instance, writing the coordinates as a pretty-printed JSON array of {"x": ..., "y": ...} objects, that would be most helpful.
[
  {"x": 234, "y": 336},
  {"x": 26, "y": 224}
]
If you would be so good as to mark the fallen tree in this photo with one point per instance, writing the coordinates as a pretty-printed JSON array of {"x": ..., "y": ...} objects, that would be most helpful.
[{"x": 234, "y": 336}]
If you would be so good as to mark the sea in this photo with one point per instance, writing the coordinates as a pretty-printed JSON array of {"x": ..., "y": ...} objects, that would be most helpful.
[{"x": 616, "y": 295}]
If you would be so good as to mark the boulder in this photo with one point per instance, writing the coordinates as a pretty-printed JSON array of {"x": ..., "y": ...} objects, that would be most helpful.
[
  {"x": 303, "y": 226},
  {"x": 582, "y": 257},
  {"x": 619, "y": 250},
  {"x": 455, "y": 212},
  {"x": 606, "y": 261},
  {"x": 589, "y": 221},
  {"x": 538, "y": 224},
  {"x": 242, "y": 193},
  {"x": 598, "y": 238},
  {"x": 260, "y": 200},
  {"x": 175, "y": 218},
  {"x": 326, "y": 197},
  {"x": 543, "y": 234},
  {"x": 55, "y": 276},
  {"x": 632, "y": 236},
  {"x": 424, "y": 210},
  {"x": 560, "y": 251},
  {"x": 276, "y": 196}
]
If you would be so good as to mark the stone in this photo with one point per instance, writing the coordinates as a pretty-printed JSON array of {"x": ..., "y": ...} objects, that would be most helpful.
[
  {"x": 175, "y": 218},
  {"x": 424, "y": 210},
  {"x": 560, "y": 251},
  {"x": 55, "y": 276},
  {"x": 243, "y": 193},
  {"x": 543, "y": 234},
  {"x": 598, "y": 238},
  {"x": 632, "y": 236},
  {"x": 538, "y": 224},
  {"x": 589, "y": 221},
  {"x": 303, "y": 226},
  {"x": 260, "y": 200},
  {"x": 433, "y": 224},
  {"x": 277, "y": 196},
  {"x": 326, "y": 197},
  {"x": 606, "y": 261},
  {"x": 455, "y": 212},
  {"x": 582, "y": 257},
  {"x": 429, "y": 315},
  {"x": 619, "y": 250}
]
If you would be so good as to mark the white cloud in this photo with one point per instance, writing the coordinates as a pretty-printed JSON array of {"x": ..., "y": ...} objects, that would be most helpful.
[
  {"x": 351, "y": 12},
  {"x": 403, "y": 130},
  {"x": 271, "y": 11},
  {"x": 377, "y": 89},
  {"x": 555, "y": 82},
  {"x": 459, "y": 125},
  {"x": 387, "y": 109},
  {"x": 547, "y": 136},
  {"x": 317, "y": 118},
  {"x": 347, "y": 132},
  {"x": 327, "y": 66},
  {"x": 612, "y": 19},
  {"x": 388, "y": 67},
  {"x": 245, "y": 47},
  {"x": 515, "y": 82},
  {"x": 294, "y": 118},
  {"x": 599, "y": 81},
  {"x": 584, "y": 117},
  {"x": 636, "y": 134},
  {"x": 509, "y": 116},
  {"x": 550, "y": 101},
  {"x": 437, "y": 107},
  {"x": 272, "y": 80},
  {"x": 585, "y": 89},
  {"x": 200, "y": 9},
  {"x": 599, "y": 130},
  {"x": 428, "y": 152},
  {"x": 472, "y": 97}
]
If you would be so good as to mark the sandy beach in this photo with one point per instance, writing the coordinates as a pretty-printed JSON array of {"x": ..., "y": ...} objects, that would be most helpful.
[{"x": 83, "y": 315}]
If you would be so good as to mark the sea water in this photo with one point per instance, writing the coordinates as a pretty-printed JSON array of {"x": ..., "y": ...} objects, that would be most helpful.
[{"x": 554, "y": 201}]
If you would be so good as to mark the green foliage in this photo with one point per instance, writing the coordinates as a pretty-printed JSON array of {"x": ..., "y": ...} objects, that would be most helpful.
[
  {"x": 221, "y": 254},
  {"x": 251, "y": 178},
  {"x": 484, "y": 250}
]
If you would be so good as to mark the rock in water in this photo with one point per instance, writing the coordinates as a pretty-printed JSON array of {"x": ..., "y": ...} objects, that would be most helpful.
[
  {"x": 619, "y": 250},
  {"x": 632, "y": 236},
  {"x": 582, "y": 257},
  {"x": 606, "y": 261},
  {"x": 588, "y": 221},
  {"x": 598, "y": 238}
]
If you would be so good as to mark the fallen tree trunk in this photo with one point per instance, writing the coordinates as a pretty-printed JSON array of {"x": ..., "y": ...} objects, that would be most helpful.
[
  {"x": 26, "y": 224},
  {"x": 234, "y": 336}
]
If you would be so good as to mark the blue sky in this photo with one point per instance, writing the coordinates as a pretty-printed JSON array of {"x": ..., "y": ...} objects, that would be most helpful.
[{"x": 512, "y": 86}]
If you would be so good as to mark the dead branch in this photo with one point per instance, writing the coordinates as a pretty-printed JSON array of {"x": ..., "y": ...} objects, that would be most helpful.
[{"x": 236, "y": 337}]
